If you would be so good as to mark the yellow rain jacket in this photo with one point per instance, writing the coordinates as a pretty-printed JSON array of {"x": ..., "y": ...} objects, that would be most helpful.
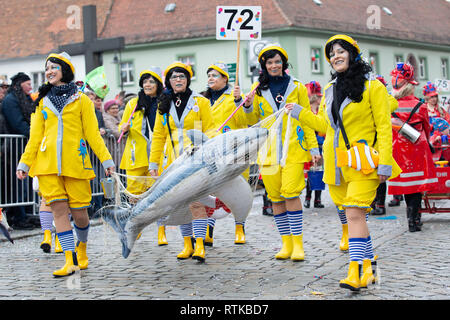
[
  {"x": 196, "y": 115},
  {"x": 223, "y": 107},
  {"x": 302, "y": 140},
  {"x": 393, "y": 103},
  {"x": 137, "y": 147},
  {"x": 367, "y": 120},
  {"x": 57, "y": 142}
]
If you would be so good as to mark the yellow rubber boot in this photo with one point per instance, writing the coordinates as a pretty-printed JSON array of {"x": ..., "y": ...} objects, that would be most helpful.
[
  {"x": 46, "y": 244},
  {"x": 188, "y": 249},
  {"x": 286, "y": 249},
  {"x": 58, "y": 248},
  {"x": 200, "y": 252},
  {"x": 240, "y": 234},
  {"x": 70, "y": 267},
  {"x": 209, "y": 236},
  {"x": 367, "y": 273},
  {"x": 82, "y": 257},
  {"x": 298, "y": 254},
  {"x": 343, "y": 245},
  {"x": 162, "y": 240},
  {"x": 374, "y": 269},
  {"x": 352, "y": 281}
]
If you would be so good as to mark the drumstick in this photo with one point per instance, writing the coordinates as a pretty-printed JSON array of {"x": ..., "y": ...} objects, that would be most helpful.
[
  {"x": 128, "y": 122},
  {"x": 237, "y": 108}
]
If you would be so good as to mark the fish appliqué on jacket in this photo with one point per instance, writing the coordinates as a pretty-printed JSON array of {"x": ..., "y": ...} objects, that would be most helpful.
[
  {"x": 300, "y": 137},
  {"x": 83, "y": 150}
]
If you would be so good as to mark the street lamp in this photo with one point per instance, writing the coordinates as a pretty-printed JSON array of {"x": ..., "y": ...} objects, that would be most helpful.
[{"x": 118, "y": 61}]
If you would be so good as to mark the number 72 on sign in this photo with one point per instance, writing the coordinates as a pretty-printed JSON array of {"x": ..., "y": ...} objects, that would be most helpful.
[{"x": 231, "y": 19}]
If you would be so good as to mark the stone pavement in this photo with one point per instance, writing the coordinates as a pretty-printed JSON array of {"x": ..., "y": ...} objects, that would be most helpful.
[{"x": 411, "y": 265}]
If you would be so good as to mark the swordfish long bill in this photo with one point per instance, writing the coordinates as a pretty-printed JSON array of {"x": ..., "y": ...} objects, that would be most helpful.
[{"x": 210, "y": 166}]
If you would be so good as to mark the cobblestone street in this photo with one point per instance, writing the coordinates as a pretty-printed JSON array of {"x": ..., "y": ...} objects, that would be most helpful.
[{"x": 411, "y": 265}]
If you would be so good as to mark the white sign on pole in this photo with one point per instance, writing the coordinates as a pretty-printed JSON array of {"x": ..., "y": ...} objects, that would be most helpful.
[
  {"x": 443, "y": 88},
  {"x": 442, "y": 85},
  {"x": 231, "y": 19},
  {"x": 444, "y": 101}
]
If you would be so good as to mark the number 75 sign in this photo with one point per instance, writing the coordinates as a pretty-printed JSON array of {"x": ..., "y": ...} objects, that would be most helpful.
[{"x": 231, "y": 19}]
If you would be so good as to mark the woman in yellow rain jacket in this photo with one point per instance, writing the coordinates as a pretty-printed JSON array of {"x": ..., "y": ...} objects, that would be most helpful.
[
  {"x": 361, "y": 102},
  {"x": 56, "y": 153},
  {"x": 180, "y": 109},
  {"x": 283, "y": 183},
  {"x": 140, "y": 131},
  {"x": 223, "y": 103}
]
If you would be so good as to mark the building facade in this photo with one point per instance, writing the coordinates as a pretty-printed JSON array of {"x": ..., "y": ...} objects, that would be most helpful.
[{"x": 160, "y": 32}]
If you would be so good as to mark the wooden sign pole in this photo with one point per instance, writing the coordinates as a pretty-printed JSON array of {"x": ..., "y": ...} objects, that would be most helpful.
[{"x": 238, "y": 55}]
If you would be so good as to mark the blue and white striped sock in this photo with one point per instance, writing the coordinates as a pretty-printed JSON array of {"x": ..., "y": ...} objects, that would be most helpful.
[
  {"x": 240, "y": 223},
  {"x": 186, "y": 230},
  {"x": 82, "y": 233},
  {"x": 282, "y": 222},
  {"x": 357, "y": 248},
  {"x": 211, "y": 222},
  {"x": 342, "y": 215},
  {"x": 368, "y": 253},
  {"x": 200, "y": 228},
  {"x": 296, "y": 222},
  {"x": 67, "y": 241},
  {"x": 46, "y": 219}
]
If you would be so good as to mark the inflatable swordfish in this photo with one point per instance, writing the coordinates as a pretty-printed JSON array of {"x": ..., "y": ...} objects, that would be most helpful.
[{"x": 210, "y": 167}]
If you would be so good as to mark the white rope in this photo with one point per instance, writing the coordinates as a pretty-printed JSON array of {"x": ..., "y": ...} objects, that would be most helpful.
[
  {"x": 273, "y": 128},
  {"x": 287, "y": 137}
]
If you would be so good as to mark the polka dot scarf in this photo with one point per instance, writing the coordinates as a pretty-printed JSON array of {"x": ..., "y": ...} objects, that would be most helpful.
[{"x": 59, "y": 95}]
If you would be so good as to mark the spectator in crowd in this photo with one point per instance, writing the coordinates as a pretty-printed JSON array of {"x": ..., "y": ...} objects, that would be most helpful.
[
  {"x": 97, "y": 201},
  {"x": 127, "y": 98},
  {"x": 3, "y": 130},
  {"x": 3, "y": 89},
  {"x": 17, "y": 107},
  {"x": 111, "y": 117},
  {"x": 314, "y": 95},
  {"x": 120, "y": 98},
  {"x": 98, "y": 110}
]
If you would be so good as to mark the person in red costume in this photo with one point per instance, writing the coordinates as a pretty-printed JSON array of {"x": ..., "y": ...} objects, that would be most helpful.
[
  {"x": 314, "y": 95},
  {"x": 415, "y": 159},
  {"x": 432, "y": 99},
  {"x": 439, "y": 120}
]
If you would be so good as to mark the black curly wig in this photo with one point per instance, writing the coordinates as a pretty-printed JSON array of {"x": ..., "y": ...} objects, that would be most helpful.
[
  {"x": 67, "y": 77},
  {"x": 263, "y": 78},
  {"x": 144, "y": 102},
  {"x": 351, "y": 81}
]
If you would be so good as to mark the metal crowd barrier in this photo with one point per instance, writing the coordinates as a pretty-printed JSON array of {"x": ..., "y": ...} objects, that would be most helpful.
[
  {"x": 15, "y": 192},
  {"x": 116, "y": 150}
]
